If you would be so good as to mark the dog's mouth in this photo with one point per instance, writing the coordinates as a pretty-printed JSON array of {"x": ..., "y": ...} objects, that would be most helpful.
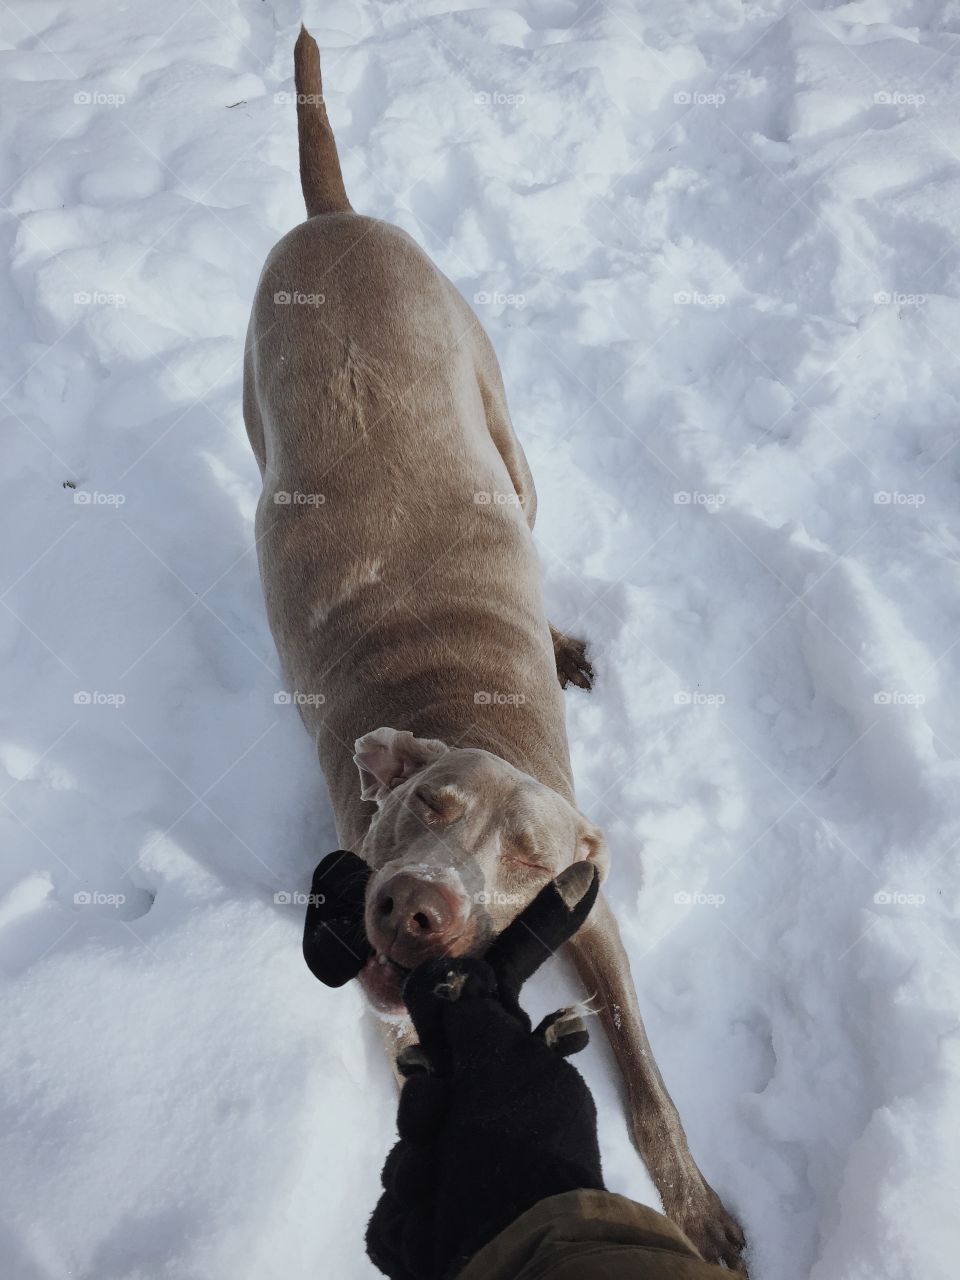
[{"x": 382, "y": 980}]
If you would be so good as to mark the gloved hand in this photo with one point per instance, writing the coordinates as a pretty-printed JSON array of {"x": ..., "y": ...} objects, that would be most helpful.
[
  {"x": 492, "y": 1119},
  {"x": 335, "y": 945}
]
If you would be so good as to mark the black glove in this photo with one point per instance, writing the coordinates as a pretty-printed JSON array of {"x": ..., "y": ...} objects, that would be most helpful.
[
  {"x": 335, "y": 945},
  {"x": 492, "y": 1119}
]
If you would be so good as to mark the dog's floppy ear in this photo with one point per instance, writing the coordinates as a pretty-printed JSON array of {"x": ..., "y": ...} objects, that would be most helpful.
[
  {"x": 387, "y": 757},
  {"x": 592, "y": 847}
]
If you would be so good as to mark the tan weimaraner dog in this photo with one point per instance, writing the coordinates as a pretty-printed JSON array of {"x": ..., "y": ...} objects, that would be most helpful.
[{"x": 405, "y": 598}]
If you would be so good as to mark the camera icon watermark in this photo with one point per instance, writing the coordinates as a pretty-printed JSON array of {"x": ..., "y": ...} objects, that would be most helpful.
[
  {"x": 894, "y": 498},
  {"x": 696, "y": 899},
  {"x": 898, "y": 698},
  {"x": 498, "y": 299},
  {"x": 894, "y": 898},
  {"x": 494, "y": 898},
  {"x": 897, "y": 98},
  {"x": 885, "y": 299},
  {"x": 97, "y": 298},
  {"x": 283, "y": 298},
  {"x": 697, "y": 698},
  {"x": 687, "y": 98},
  {"x": 297, "y": 698},
  {"x": 490, "y": 498},
  {"x": 296, "y": 498},
  {"x": 296, "y": 898},
  {"x": 94, "y": 898},
  {"x": 692, "y": 298},
  {"x": 94, "y": 698},
  {"x": 308, "y": 99},
  {"x": 97, "y": 98},
  {"x": 697, "y": 498},
  {"x": 496, "y": 98},
  {"x": 93, "y": 498}
]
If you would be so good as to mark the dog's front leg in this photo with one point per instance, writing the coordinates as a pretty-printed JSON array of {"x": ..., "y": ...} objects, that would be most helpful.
[
  {"x": 399, "y": 1037},
  {"x": 688, "y": 1199}
]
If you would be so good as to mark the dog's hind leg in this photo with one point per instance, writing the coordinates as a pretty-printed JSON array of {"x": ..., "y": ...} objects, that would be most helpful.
[{"x": 573, "y": 665}]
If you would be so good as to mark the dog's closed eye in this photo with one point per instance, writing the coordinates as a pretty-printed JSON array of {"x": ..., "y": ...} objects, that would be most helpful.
[
  {"x": 520, "y": 849},
  {"x": 441, "y": 806}
]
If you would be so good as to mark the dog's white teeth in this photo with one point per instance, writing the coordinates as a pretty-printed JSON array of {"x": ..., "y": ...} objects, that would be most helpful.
[{"x": 382, "y": 960}]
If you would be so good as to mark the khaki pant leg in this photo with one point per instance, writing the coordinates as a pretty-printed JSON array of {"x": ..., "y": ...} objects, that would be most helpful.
[{"x": 590, "y": 1235}]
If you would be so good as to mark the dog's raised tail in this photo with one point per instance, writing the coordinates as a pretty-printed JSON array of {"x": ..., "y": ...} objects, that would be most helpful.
[{"x": 320, "y": 176}]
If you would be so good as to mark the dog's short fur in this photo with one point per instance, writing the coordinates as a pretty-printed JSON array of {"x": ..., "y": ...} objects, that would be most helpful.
[{"x": 405, "y": 598}]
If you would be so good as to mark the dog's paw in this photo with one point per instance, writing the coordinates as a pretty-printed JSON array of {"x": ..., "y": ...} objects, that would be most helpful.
[
  {"x": 699, "y": 1213},
  {"x": 565, "y": 1031},
  {"x": 573, "y": 665}
]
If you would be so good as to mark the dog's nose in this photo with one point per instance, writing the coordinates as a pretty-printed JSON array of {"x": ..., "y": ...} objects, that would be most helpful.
[{"x": 414, "y": 918}]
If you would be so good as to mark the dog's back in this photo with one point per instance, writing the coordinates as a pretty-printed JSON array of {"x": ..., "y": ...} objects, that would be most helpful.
[{"x": 401, "y": 580}]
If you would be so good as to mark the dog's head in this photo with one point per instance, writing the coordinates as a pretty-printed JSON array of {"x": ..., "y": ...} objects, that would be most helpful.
[{"x": 461, "y": 842}]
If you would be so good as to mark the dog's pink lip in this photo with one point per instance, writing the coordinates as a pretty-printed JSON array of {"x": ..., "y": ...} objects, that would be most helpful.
[
  {"x": 452, "y": 947},
  {"x": 383, "y": 981},
  {"x": 383, "y": 984}
]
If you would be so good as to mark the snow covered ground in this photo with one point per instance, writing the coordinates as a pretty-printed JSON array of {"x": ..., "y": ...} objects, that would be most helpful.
[{"x": 715, "y": 245}]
